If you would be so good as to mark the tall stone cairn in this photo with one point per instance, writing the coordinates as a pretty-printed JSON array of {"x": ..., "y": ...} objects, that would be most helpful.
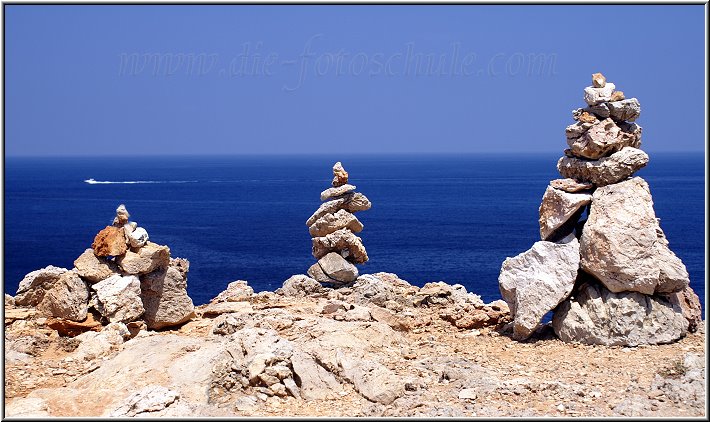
[
  {"x": 603, "y": 265},
  {"x": 333, "y": 227}
]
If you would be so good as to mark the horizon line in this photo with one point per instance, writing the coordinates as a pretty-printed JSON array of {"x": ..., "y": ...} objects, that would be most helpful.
[{"x": 292, "y": 153}]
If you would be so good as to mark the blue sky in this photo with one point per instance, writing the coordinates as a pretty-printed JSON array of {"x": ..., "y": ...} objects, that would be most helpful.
[{"x": 110, "y": 80}]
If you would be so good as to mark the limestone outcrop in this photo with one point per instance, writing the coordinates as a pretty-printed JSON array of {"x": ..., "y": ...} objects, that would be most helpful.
[
  {"x": 333, "y": 227},
  {"x": 627, "y": 286}
]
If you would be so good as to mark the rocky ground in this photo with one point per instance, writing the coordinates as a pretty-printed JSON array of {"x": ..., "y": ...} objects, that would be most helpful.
[{"x": 378, "y": 348}]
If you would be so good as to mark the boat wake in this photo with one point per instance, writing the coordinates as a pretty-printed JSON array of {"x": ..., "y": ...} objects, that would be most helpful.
[{"x": 134, "y": 182}]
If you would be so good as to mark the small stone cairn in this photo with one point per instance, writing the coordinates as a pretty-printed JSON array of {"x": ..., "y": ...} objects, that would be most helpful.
[
  {"x": 333, "y": 227},
  {"x": 609, "y": 278},
  {"x": 123, "y": 278}
]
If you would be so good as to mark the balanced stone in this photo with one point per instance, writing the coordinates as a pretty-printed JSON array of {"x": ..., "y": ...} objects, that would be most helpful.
[
  {"x": 118, "y": 298},
  {"x": 623, "y": 246},
  {"x": 578, "y": 129},
  {"x": 594, "y": 96},
  {"x": 148, "y": 258},
  {"x": 630, "y": 134},
  {"x": 536, "y": 281},
  {"x": 571, "y": 185},
  {"x": 351, "y": 202},
  {"x": 595, "y": 315},
  {"x": 558, "y": 209},
  {"x": 343, "y": 240},
  {"x": 336, "y": 267},
  {"x": 607, "y": 170},
  {"x": 600, "y": 110},
  {"x": 164, "y": 296},
  {"x": 137, "y": 237},
  {"x": 598, "y": 141},
  {"x": 598, "y": 80},
  {"x": 94, "y": 268},
  {"x": 617, "y": 96},
  {"x": 316, "y": 273},
  {"x": 110, "y": 241},
  {"x": 625, "y": 109},
  {"x": 340, "y": 176},
  {"x": 121, "y": 216},
  {"x": 332, "y": 222},
  {"x": 336, "y": 191}
]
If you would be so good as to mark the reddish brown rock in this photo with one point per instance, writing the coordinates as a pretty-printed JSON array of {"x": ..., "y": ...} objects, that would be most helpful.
[
  {"x": 586, "y": 117},
  {"x": 69, "y": 328},
  {"x": 340, "y": 176},
  {"x": 598, "y": 80},
  {"x": 110, "y": 241},
  {"x": 617, "y": 96}
]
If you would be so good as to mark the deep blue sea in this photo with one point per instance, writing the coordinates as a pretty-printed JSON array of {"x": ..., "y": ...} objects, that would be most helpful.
[{"x": 440, "y": 217}]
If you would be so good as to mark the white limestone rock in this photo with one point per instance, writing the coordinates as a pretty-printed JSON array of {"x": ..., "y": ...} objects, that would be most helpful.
[
  {"x": 623, "y": 246},
  {"x": 35, "y": 285},
  {"x": 594, "y": 96},
  {"x": 118, "y": 298},
  {"x": 559, "y": 209},
  {"x": 536, "y": 281},
  {"x": 137, "y": 237}
]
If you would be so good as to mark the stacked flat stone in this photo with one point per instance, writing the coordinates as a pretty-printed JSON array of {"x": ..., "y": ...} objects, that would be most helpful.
[
  {"x": 610, "y": 278},
  {"x": 122, "y": 278},
  {"x": 333, "y": 227}
]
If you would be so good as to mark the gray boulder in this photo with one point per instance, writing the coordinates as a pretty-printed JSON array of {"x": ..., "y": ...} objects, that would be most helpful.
[
  {"x": 629, "y": 109},
  {"x": 67, "y": 299},
  {"x": 164, "y": 296},
  {"x": 316, "y": 273},
  {"x": 118, "y": 298},
  {"x": 336, "y": 267},
  {"x": 35, "y": 285},
  {"x": 595, "y": 315},
  {"x": 536, "y": 281},
  {"x": 623, "y": 246},
  {"x": 93, "y": 268},
  {"x": 604, "y": 171},
  {"x": 560, "y": 209}
]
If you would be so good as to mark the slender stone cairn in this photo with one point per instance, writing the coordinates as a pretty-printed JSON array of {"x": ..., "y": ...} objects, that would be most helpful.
[
  {"x": 333, "y": 227},
  {"x": 610, "y": 278}
]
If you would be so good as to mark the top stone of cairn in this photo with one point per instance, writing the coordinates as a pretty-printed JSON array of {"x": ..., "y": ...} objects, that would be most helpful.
[{"x": 340, "y": 176}]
